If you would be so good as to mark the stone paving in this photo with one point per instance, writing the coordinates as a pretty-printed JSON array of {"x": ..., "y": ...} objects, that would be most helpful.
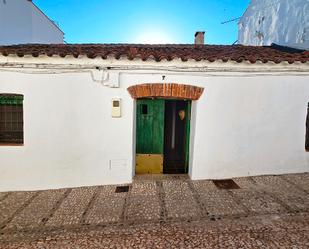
[{"x": 263, "y": 210}]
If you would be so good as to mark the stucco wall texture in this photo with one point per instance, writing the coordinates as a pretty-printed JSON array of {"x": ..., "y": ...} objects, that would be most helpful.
[{"x": 243, "y": 124}]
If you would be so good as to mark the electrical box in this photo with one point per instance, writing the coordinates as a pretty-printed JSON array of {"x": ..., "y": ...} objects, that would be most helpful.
[{"x": 116, "y": 108}]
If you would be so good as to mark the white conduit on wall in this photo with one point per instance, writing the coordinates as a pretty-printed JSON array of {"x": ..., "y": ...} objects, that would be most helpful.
[
  {"x": 98, "y": 76},
  {"x": 109, "y": 76}
]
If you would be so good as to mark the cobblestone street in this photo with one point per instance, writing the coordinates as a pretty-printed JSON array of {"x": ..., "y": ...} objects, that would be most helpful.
[{"x": 161, "y": 212}]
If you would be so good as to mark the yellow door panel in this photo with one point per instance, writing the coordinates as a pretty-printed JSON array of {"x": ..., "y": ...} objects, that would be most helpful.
[{"x": 149, "y": 164}]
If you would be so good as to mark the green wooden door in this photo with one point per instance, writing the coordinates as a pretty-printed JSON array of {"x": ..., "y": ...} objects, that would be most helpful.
[
  {"x": 150, "y": 126},
  {"x": 149, "y": 135},
  {"x": 150, "y": 123}
]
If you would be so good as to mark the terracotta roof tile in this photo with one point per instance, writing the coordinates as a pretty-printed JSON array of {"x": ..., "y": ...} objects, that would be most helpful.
[{"x": 169, "y": 52}]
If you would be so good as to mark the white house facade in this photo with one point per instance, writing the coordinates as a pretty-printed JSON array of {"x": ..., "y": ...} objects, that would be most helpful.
[
  {"x": 80, "y": 107},
  {"x": 283, "y": 22},
  {"x": 22, "y": 22}
]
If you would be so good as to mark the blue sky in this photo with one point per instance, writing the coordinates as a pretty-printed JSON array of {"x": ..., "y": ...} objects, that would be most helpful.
[{"x": 144, "y": 21}]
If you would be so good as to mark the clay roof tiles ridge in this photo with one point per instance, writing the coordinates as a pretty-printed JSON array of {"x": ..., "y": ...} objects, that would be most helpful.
[{"x": 185, "y": 52}]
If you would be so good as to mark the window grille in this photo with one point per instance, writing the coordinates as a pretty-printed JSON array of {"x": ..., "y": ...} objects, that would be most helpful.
[{"x": 11, "y": 119}]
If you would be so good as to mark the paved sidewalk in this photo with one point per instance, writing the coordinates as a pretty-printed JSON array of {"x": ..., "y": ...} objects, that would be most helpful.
[{"x": 273, "y": 206}]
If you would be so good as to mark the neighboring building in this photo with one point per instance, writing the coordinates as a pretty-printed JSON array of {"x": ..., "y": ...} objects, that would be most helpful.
[
  {"x": 22, "y": 22},
  {"x": 283, "y": 22},
  {"x": 74, "y": 115}
]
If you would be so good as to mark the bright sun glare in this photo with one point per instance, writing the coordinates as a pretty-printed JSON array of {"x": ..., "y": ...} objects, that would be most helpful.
[{"x": 154, "y": 37}]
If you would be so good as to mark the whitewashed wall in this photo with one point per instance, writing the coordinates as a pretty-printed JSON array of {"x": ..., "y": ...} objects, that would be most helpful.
[
  {"x": 22, "y": 22},
  {"x": 251, "y": 126},
  {"x": 69, "y": 135},
  {"x": 244, "y": 124},
  {"x": 284, "y": 22}
]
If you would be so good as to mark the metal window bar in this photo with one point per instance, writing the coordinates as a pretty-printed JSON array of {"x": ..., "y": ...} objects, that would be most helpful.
[{"x": 11, "y": 118}]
